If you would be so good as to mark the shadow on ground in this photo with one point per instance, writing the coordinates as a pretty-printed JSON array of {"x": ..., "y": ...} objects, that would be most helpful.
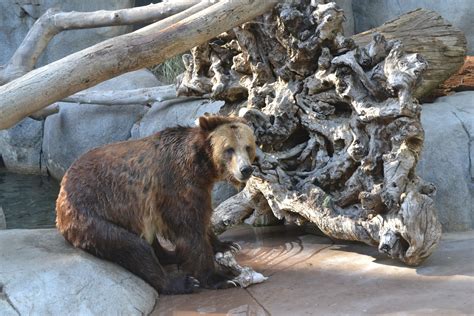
[{"x": 312, "y": 275}]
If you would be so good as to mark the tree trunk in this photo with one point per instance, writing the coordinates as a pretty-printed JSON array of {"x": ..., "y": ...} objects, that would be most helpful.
[
  {"x": 337, "y": 124},
  {"x": 146, "y": 47},
  {"x": 427, "y": 33},
  {"x": 122, "y": 97},
  {"x": 53, "y": 22}
]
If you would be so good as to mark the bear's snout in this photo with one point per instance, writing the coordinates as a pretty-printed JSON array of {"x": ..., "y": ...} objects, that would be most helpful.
[{"x": 246, "y": 171}]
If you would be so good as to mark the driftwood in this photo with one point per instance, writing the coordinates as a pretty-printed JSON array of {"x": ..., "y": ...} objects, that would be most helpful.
[
  {"x": 337, "y": 125},
  {"x": 123, "y": 97},
  {"x": 53, "y": 22},
  {"x": 427, "y": 33},
  {"x": 148, "y": 46}
]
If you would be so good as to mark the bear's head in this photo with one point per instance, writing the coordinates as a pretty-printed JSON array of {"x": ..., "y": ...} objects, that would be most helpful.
[{"x": 233, "y": 146}]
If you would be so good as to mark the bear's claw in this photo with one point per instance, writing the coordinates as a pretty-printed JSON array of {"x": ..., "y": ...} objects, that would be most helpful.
[{"x": 181, "y": 285}]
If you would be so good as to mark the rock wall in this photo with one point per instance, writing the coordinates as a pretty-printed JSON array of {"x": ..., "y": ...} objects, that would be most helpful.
[
  {"x": 448, "y": 156},
  {"x": 17, "y": 16},
  {"x": 49, "y": 277}
]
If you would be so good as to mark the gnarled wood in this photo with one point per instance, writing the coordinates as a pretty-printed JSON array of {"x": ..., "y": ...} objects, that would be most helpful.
[
  {"x": 337, "y": 124},
  {"x": 427, "y": 33}
]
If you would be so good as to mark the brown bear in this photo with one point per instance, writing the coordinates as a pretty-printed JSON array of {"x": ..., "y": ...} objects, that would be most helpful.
[{"x": 115, "y": 199}]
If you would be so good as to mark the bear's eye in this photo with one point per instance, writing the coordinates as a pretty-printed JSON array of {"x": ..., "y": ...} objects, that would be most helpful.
[
  {"x": 248, "y": 149},
  {"x": 229, "y": 151}
]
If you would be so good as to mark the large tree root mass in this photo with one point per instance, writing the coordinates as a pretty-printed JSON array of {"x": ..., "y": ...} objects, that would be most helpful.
[{"x": 337, "y": 125}]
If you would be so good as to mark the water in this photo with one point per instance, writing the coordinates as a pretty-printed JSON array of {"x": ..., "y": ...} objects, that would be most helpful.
[{"x": 28, "y": 201}]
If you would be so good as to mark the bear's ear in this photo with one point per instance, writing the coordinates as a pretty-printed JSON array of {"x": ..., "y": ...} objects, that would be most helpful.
[{"x": 210, "y": 123}]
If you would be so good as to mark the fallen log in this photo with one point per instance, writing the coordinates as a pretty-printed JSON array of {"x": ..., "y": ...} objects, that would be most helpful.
[
  {"x": 122, "y": 97},
  {"x": 52, "y": 22},
  {"x": 148, "y": 46},
  {"x": 425, "y": 32}
]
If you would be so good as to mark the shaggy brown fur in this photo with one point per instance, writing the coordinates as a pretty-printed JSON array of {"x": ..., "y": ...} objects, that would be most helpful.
[{"x": 115, "y": 199}]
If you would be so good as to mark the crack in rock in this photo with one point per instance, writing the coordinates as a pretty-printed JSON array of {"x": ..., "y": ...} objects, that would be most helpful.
[
  {"x": 4, "y": 296},
  {"x": 469, "y": 141}
]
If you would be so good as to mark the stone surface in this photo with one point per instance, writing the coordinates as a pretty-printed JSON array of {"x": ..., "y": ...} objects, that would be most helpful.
[
  {"x": 3, "y": 223},
  {"x": 20, "y": 146},
  {"x": 222, "y": 191},
  {"x": 79, "y": 127},
  {"x": 43, "y": 275},
  {"x": 372, "y": 13},
  {"x": 447, "y": 158},
  {"x": 16, "y": 17},
  {"x": 348, "y": 24},
  {"x": 172, "y": 113},
  {"x": 309, "y": 275}
]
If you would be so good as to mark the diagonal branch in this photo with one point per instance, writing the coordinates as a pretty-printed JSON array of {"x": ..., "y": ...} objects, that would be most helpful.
[
  {"x": 143, "y": 48},
  {"x": 53, "y": 22},
  {"x": 123, "y": 97}
]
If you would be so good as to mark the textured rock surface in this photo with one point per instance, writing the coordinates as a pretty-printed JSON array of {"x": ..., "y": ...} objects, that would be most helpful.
[
  {"x": 3, "y": 223},
  {"x": 20, "y": 146},
  {"x": 80, "y": 127},
  {"x": 348, "y": 25},
  {"x": 447, "y": 158},
  {"x": 372, "y": 13},
  {"x": 43, "y": 275},
  {"x": 16, "y": 17}
]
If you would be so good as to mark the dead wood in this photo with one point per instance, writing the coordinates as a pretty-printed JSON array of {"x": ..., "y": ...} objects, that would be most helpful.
[
  {"x": 52, "y": 22},
  {"x": 337, "y": 124},
  {"x": 143, "y": 48},
  {"x": 425, "y": 32}
]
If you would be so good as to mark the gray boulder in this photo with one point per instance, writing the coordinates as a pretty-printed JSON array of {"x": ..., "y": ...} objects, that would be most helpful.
[
  {"x": 172, "y": 113},
  {"x": 20, "y": 146},
  {"x": 41, "y": 274},
  {"x": 3, "y": 222},
  {"x": 78, "y": 128},
  {"x": 448, "y": 156},
  {"x": 16, "y": 18},
  {"x": 348, "y": 24},
  {"x": 372, "y": 13}
]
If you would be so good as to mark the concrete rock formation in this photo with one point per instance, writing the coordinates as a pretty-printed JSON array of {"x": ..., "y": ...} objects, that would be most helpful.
[
  {"x": 448, "y": 156},
  {"x": 49, "y": 277}
]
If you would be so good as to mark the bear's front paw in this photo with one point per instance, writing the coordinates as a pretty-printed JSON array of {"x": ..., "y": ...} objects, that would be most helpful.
[
  {"x": 219, "y": 281},
  {"x": 181, "y": 285},
  {"x": 224, "y": 246}
]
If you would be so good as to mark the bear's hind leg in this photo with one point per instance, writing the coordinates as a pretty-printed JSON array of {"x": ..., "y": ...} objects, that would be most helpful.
[
  {"x": 198, "y": 259},
  {"x": 164, "y": 256},
  {"x": 222, "y": 246},
  {"x": 111, "y": 242}
]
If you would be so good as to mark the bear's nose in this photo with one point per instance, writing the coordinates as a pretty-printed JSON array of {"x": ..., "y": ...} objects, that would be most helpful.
[{"x": 246, "y": 171}]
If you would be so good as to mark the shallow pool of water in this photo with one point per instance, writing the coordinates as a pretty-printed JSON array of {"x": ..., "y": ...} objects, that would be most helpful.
[{"x": 28, "y": 201}]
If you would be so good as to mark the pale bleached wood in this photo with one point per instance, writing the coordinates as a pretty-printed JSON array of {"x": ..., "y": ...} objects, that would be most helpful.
[
  {"x": 145, "y": 47},
  {"x": 337, "y": 125},
  {"x": 52, "y": 22},
  {"x": 427, "y": 33},
  {"x": 124, "y": 97}
]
